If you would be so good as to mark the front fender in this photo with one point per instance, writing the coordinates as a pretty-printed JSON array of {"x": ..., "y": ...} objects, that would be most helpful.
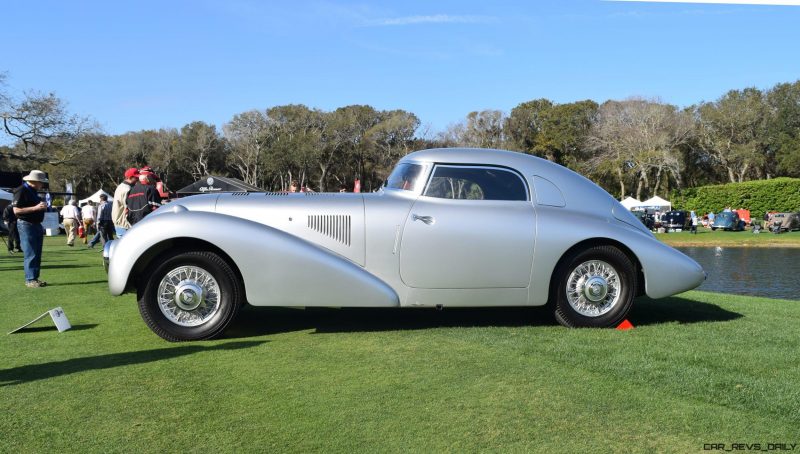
[{"x": 277, "y": 269}]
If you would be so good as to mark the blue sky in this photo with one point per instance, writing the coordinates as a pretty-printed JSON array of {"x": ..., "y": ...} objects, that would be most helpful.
[{"x": 151, "y": 64}]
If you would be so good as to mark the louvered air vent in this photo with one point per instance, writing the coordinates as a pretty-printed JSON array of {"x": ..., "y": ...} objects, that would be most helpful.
[
  {"x": 272, "y": 194},
  {"x": 241, "y": 193},
  {"x": 335, "y": 226}
]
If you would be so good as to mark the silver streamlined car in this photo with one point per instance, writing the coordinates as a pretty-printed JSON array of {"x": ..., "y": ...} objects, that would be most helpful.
[{"x": 451, "y": 228}]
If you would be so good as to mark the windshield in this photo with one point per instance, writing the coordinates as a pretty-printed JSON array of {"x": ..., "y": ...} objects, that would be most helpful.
[{"x": 405, "y": 176}]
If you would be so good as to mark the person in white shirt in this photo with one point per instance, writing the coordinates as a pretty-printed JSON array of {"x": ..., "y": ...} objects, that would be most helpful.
[
  {"x": 88, "y": 214},
  {"x": 71, "y": 218},
  {"x": 119, "y": 209}
]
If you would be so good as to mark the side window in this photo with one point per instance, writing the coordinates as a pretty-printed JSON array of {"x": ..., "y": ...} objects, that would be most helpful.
[
  {"x": 475, "y": 183},
  {"x": 404, "y": 176}
]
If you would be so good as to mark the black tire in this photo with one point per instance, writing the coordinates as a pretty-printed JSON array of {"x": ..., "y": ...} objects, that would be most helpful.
[
  {"x": 596, "y": 265},
  {"x": 217, "y": 305}
]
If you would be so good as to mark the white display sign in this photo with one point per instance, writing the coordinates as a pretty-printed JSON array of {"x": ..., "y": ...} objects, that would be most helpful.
[
  {"x": 57, "y": 315},
  {"x": 50, "y": 223}
]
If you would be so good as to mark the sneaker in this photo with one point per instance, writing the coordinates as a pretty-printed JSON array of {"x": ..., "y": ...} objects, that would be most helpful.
[
  {"x": 11, "y": 251},
  {"x": 34, "y": 284}
]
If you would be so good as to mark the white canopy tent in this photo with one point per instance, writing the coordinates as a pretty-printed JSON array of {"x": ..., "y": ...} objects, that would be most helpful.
[
  {"x": 657, "y": 203},
  {"x": 94, "y": 198},
  {"x": 630, "y": 203}
]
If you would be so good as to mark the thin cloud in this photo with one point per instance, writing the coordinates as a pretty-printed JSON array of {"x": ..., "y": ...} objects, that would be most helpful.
[
  {"x": 723, "y": 2},
  {"x": 432, "y": 19}
]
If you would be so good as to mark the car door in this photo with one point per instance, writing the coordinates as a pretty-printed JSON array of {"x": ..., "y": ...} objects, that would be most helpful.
[{"x": 472, "y": 227}]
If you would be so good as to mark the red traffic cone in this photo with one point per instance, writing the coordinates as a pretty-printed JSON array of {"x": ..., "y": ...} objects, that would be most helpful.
[{"x": 625, "y": 325}]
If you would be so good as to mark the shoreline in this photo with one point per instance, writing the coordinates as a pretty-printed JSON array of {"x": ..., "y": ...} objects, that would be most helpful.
[
  {"x": 760, "y": 245},
  {"x": 744, "y": 239}
]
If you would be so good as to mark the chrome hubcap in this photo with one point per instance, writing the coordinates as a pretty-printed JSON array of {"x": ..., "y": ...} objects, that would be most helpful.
[
  {"x": 188, "y": 296},
  {"x": 593, "y": 288}
]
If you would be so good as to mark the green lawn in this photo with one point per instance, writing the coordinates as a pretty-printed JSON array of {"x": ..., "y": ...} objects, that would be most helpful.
[
  {"x": 746, "y": 238},
  {"x": 699, "y": 368}
]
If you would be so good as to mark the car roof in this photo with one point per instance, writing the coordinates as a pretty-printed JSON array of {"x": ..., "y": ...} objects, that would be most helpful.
[{"x": 517, "y": 160}]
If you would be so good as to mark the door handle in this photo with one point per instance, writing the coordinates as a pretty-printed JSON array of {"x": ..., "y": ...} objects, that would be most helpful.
[{"x": 426, "y": 219}]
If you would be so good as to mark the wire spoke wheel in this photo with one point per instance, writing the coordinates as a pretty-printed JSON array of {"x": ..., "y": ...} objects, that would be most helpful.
[
  {"x": 188, "y": 296},
  {"x": 593, "y": 288}
]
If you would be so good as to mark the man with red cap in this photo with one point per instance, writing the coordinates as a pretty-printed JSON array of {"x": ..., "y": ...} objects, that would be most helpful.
[
  {"x": 142, "y": 198},
  {"x": 162, "y": 191},
  {"x": 120, "y": 204}
]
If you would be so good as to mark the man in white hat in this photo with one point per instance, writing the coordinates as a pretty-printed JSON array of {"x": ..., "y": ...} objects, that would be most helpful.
[{"x": 30, "y": 209}]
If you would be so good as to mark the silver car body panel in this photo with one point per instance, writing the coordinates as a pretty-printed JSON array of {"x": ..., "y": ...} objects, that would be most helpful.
[{"x": 400, "y": 248}]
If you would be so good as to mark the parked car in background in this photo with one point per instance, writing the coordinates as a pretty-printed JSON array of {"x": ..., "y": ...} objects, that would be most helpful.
[
  {"x": 450, "y": 228},
  {"x": 647, "y": 218},
  {"x": 783, "y": 222},
  {"x": 728, "y": 220},
  {"x": 744, "y": 215},
  {"x": 676, "y": 220}
]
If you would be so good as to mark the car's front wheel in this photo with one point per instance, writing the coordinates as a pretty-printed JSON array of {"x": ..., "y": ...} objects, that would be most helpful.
[
  {"x": 191, "y": 296},
  {"x": 594, "y": 288}
]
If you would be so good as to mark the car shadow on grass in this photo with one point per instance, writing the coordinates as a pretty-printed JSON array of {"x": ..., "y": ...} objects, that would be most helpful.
[
  {"x": 56, "y": 284},
  {"x": 675, "y": 309},
  {"x": 259, "y": 321},
  {"x": 45, "y": 266},
  {"x": 25, "y": 374}
]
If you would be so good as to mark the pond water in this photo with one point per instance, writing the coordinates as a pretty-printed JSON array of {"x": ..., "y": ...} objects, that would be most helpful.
[{"x": 767, "y": 272}]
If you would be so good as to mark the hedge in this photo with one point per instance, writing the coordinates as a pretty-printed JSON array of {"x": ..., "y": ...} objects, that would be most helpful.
[{"x": 778, "y": 194}]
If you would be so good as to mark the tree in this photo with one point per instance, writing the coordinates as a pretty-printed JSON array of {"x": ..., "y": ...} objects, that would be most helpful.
[
  {"x": 296, "y": 142},
  {"x": 43, "y": 127},
  {"x": 201, "y": 150},
  {"x": 639, "y": 139},
  {"x": 390, "y": 139},
  {"x": 556, "y": 132},
  {"x": 525, "y": 123},
  {"x": 485, "y": 129},
  {"x": 732, "y": 132},
  {"x": 482, "y": 129},
  {"x": 783, "y": 129},
  {"x": 248, "y": 133},
  {"x": 344, "y": 140}
]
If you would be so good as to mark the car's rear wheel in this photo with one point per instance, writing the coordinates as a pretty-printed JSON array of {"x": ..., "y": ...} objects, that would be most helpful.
[
  {"x": 191, "y": 296},
  {"x": 594, "y": 288}
]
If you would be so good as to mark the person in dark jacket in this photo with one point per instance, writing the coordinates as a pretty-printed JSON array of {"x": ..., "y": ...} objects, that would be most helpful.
[
  {"x": 29, "y": 209},
  {"x": 105, "y": 226},
  {"x": 11, "y": 224},
  {"x": 142, "y": 199}
]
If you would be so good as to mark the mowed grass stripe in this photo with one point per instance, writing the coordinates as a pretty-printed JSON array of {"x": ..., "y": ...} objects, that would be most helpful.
[{"x": 699, "y": 368}]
